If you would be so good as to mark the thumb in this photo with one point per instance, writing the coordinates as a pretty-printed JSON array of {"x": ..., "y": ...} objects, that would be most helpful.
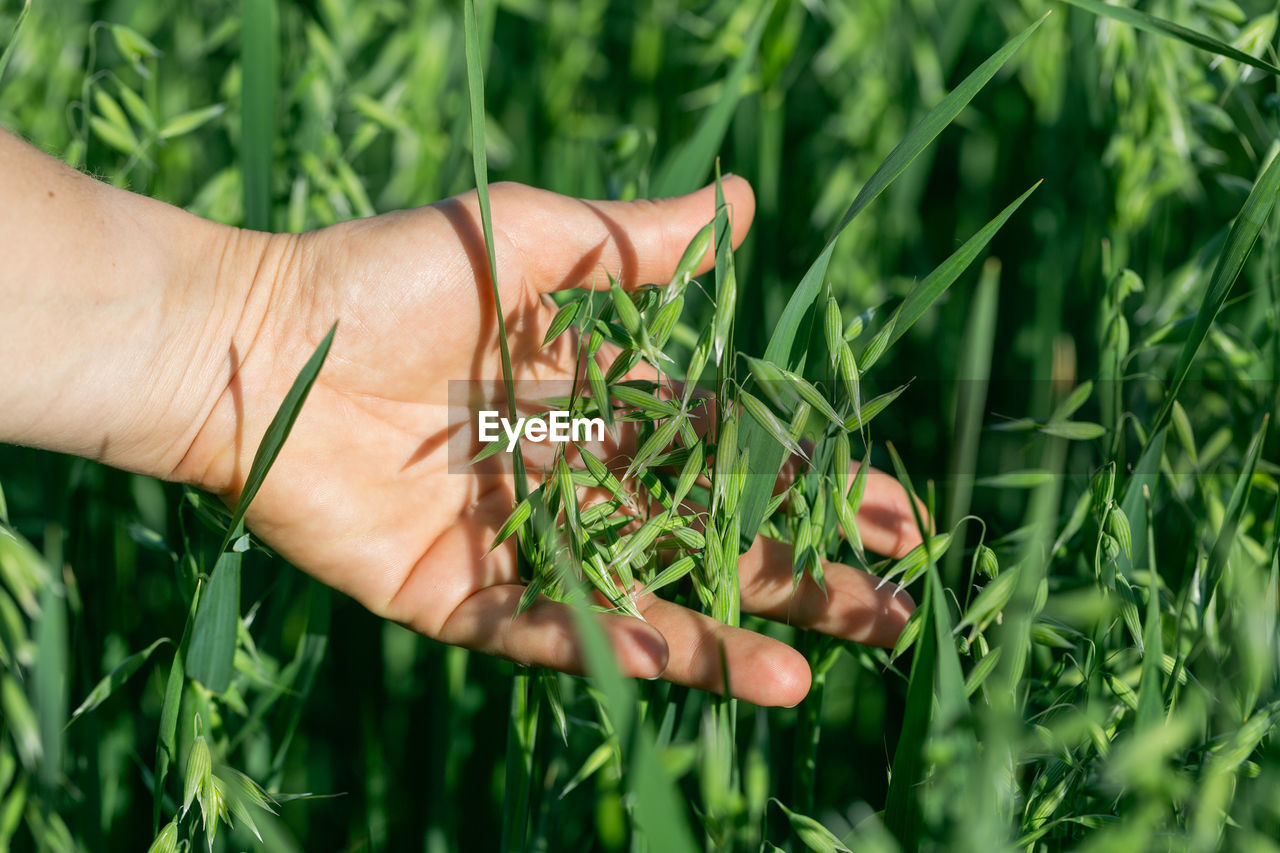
[{"x": 567, "y": 242}]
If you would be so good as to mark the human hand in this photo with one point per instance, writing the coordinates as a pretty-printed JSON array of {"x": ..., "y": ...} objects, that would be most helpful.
[
  {"x": 362, "y": 496},
  {"x": 161, "y": 343}
]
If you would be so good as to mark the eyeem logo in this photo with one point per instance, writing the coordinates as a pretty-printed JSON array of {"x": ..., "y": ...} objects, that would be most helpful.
[{"x": 558, "y": 427}]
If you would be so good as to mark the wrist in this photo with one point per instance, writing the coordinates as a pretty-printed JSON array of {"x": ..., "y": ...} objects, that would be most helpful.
[
  {"x": 126, "y": 322},
  {"x": 234, "y": 306},
  {"x": 149, "y": 354}
]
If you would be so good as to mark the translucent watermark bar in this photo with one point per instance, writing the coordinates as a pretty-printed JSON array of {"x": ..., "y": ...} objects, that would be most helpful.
[{"x": 552, "y": 413}]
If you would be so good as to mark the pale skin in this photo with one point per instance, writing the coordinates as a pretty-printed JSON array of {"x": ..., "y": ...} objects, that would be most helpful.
[{"x": 154, "y": 341}]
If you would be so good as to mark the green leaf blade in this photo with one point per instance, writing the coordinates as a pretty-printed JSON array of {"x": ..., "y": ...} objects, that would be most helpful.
[
  {"x": 210, "y": 659},
  {"x": 687, "y": 165},
  {"x": 931, "y": 288},
  {"x": 1239, "y": 244},
  {"x": 114, "y": 679},
  {"x": 277, "y": 432},
  {"x": 1161, "y": 27}
]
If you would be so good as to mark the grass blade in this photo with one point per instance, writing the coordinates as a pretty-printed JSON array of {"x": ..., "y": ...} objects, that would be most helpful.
[
  {"x": 50, "y": 680},
  {"x": 213, "y": 642},
  {"x": 166, "y": 736},
  {"x": 480, "y": 162},
  {"x": 1145, "y": 475},
  {"x": 520, "y": 739},
  {"x": 659, "y": 812},
  {"x": 277, "y": 432},
  {"x": 920, "y": 137},
  {"x": 1150, "y": 695},
  {"x": 951, "y": 696},
  {"x": 259, "y": 55},
  {"x": 20, "y": 721},
  {"x": 685, "y": 167},
  {"x": 765, "y": 453},
  {"x": 1161, "y": 27},
  {"x": 1244, "y": 233},
  {"x": 974, "y": 375},
  {"x": 902, "y": 805},
  {"x": 301, "y": 673},
  {"x": 13, "y": 37},
  {"x": 925, "y": 293},
  {"x": 935, "y": 674},
  {"x": 1231, "y": 519},
  {"x": 114, "y": 679}
]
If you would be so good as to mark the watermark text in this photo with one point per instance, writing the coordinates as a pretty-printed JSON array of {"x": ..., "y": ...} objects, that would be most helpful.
[{"x": 559, "y": 427}]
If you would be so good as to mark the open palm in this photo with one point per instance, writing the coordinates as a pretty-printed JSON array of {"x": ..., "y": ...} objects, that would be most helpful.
[{"x": 363, "y": 496}]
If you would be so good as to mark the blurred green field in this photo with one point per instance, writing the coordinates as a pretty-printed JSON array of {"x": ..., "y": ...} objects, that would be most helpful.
[{"x": 1137, "y": 721}]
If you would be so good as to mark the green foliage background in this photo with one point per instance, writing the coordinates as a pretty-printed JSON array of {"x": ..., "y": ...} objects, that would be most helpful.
[{"x": 1147, "y": 148}]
